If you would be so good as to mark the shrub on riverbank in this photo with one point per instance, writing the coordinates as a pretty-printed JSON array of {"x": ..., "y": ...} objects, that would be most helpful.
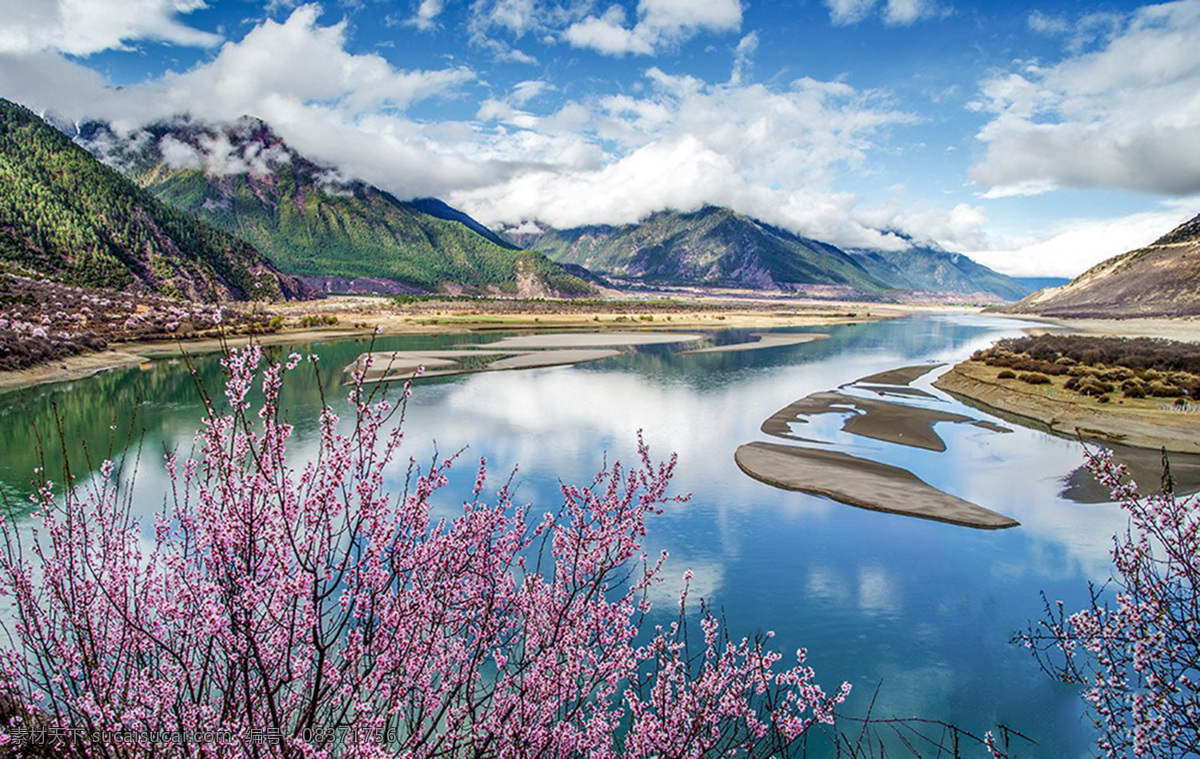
[
  {"x": 1161, "y": 368},
  {"x": 1130, "y": 352}
]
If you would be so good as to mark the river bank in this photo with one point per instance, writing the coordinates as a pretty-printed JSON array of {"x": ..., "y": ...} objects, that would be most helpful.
[
  {"x": 1143, "y": 423},
  {"x": 357, "y": 316},
  {"x": 1182, "y": 328}
]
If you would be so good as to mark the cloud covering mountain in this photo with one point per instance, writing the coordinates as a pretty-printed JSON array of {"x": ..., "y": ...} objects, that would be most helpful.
[{"x": 831, "y": 120}]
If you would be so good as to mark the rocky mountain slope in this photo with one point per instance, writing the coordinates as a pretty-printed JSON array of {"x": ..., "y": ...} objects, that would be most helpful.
[
  {"x": 719, "y": 247},
  {"x": 340, "y": 234},
  {"x": 712, "y": 246},
  {"x": 1161, "y": 279},
  {"x": 923, "y": 267},
  {"x": 65, "y": 215}
]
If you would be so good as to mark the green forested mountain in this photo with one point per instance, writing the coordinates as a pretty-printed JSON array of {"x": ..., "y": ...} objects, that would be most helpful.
[
  {"x": 313, "y": 223},
  {"x": 66, "y": 215},
  {"x": 922, "y": 267},
  {"x": 712, "y": 246}
]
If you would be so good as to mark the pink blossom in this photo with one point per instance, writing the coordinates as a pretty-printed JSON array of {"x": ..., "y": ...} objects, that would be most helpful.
[{"x": 308, "y": 598}]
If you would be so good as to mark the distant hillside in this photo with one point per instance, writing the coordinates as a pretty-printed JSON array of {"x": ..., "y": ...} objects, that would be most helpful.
[
  {"x": 1162, "y": 279},
  {"x": 65, "y": 215},
  {"x": 712, "y": 246},
  {"x": 1033, "y": 284},
  {"x": 933, "y": 269},
  {"x": 312, "y": 222}
]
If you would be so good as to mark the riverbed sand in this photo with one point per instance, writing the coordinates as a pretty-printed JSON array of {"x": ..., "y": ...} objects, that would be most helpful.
[
  {"x": 70, "y": 368},
  {"x": 905, "y": 375},
  {"x": 766, "y": 340},
  {"x": 1186, "y": 329},
  {"x": 588, "y": 340},
  {"x": 362, "y": 316},
  {"x": 393, "y": 366},
  {"x": 861, "y": 482},
  {"x": 876, "y": 419}
]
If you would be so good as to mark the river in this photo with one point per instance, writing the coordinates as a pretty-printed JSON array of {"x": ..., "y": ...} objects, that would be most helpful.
[{"x": 921, "y": 609}]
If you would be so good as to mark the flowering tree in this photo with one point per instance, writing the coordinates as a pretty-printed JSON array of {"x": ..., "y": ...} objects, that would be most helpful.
[
  {"x": 1136, "y": 651},
  {"x": 275, "y": 611}
]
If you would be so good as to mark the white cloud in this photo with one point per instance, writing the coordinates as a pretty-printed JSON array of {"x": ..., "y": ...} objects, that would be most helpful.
[
  {"x": 332, "y": 105},
  {"x": 523, "y": 92},
  {"x": 843, "y": 12},
  {"x": 771, "y": 151},
  {"x": 959, "y": 228},
  {"x": 300, "y": 61},
  {"x": 180, "y": 155},
  {"x": 1072, "y": 247},
  {"x": 743, "y": 57},
  {"x": 427, "y": 13},
  {"x": 1081, "y": 32},
  {"x": 518, "y": 17},
  {"x": 217, "y": 155},
  {"x": 768, "y": 152},
  {"x": 660, "y": 22},
  {"x": 1046, "y": 24},
  {"x": 1126, "y": 115},
  {"x": 905, "y": 12},
  {"x": 895, "y": 12},
  {"x": 84, "y": 27},
  {"x": 607, "y": 34}
]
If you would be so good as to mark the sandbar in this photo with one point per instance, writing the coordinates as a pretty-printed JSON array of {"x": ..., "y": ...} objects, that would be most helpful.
[
  {"x": 1143, "y": 424},
  {"x": 862, "y": 483},
  {"x": 879, "y": 420},
  {"x": 589, "y": 340},
  {"x": 765, "y": 340},
  {"x": 535, "y": 359},
  {"x": 897, "y": 390},
  {"x": 389, "y": 366},
  {"x": 70, "y": 368},
  {"x": 905, "y": 375}
]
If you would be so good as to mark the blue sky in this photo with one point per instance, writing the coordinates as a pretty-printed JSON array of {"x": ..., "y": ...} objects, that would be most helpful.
[{"x": 1039, "y": 137}]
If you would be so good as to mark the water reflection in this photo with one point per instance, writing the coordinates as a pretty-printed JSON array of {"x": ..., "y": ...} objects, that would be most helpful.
[{"x": 926, "y": 608}]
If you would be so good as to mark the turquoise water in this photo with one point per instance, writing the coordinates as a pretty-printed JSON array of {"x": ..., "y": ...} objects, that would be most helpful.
[{"x": 923, "y": 610}]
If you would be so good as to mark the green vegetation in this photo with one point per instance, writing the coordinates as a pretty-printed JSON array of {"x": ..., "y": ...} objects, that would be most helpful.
[
  {"x": 309, "y": 321},
  {"x": 311, "y": 224},
  {"x": 66, "y": 215}
]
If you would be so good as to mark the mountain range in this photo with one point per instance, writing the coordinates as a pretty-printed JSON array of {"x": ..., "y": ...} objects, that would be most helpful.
[
  {"x": 334, "y": 233},
  {"x": 1161, "y": 279},
  {"x": 214, "y": 209},
  {"x": 718, "y": 247},
  {"x": 713, "y": 246},
  {"x": 932, "y": 269},
  {"x": 65, "y": 214}
]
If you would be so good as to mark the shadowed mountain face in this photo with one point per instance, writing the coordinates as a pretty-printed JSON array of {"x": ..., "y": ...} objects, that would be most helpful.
[
  {"x": 930, "y": 268},
  {"x": 312, "y": 222},
  {"x": 1162, "y": 279},
  {"x": 65, "y": 215},
  {"x": 712, "y": 246}
]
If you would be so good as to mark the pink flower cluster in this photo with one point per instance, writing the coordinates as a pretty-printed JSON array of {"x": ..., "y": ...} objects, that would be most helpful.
[
  {"x": 1136, "y": 649},
  {"x": 311, "y": 600}
]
